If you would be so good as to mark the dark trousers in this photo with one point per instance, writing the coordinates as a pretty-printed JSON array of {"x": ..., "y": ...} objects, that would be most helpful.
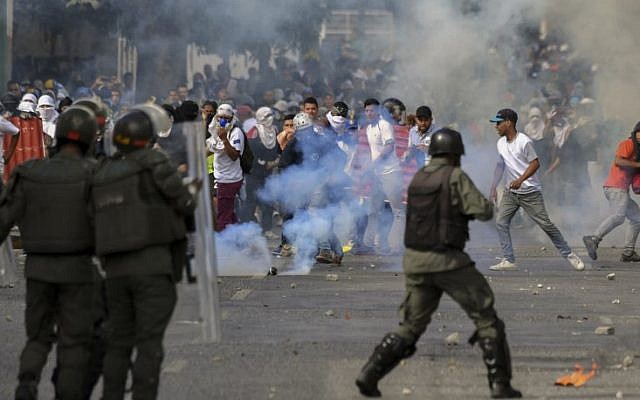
[
  {"x": 140, "y": 309},
  {"x": 247, "y": 212},
  {"x": 466, "y": 286},
  {"x": 62, "y": 312},
  {"x": 226, "y": 211}
]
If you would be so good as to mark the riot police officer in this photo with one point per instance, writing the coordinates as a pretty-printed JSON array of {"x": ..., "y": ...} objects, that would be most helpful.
[
  {"x": 140, "y": 203},
  {"x": 48, "y": 199},
  {"x": 442, "y": 199}
]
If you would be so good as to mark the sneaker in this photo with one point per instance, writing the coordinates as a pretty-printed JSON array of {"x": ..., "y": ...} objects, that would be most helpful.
[
  {"x": 575, "y": 261},
  {"x": 591, "y": 243},
  {"x": 277, "y": 251},
  {"x": 325, "y": 256},
  {"x": 286, "y": 251},
  {"x": 271, "y": 236},
  {"x": 632, "y": 257},
  {"x": 504, "y": 265},
  {"x": 362, "y": 250}
]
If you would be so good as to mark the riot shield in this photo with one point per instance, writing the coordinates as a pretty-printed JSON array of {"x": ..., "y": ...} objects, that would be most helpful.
[{"x": 205, "y": 255}]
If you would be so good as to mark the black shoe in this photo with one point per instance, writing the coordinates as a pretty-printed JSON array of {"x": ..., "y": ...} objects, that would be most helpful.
[
  {"x": 276, "y": 251},
  {"x": 325, "y": 256},
  {"x": 368, "y": 389},
  {"x": 27, "y": 391},
  {"x": 504, "y": 391},
  {"x": 591, "y": 243},
  {"x": 633, "y": 257}
]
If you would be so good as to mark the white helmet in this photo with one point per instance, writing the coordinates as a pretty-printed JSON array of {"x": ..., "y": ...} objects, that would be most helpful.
[
  {"x": 225, "y": 110},
  {"x": 46, "y": 100},
  {"x": 302, "y": 121}
]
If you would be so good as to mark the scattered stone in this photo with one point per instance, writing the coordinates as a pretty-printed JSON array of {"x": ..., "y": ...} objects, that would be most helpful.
[
  {"x": 574, "y": 333},
  {"x": 9, "y": 318},
  {"x": 605, "y": 330},
  {"x": 330, "y": 313},
  {"x": 615, "y": 301},
  {"x": 619, "y": 394},
  {"x": 241, "y": 294},
  {"x": 406, "y": 392},
  {"x": 606, "y": 321},
  {"x": 217, "y": 359},
  {"x": 548, "y": 287},
  {"x": 633, "y": 290},
  {"x": 611, "y": 276},
  {"x": 332, "y": 277},
  {"x": 539, "y": 285},
  {"x": 293, "y": 285},
  {"x": 350, "y": 269},
  {"x": 627, "y": 361},
  {"x": 219, "y": 280},
  {"x": 563, "y": 316},
  {"x": 453, "y": 339},
  {"x": 535, "y": 293},
  {"x": 543, "y": 248},
  {"x": 372, "y": 265}
]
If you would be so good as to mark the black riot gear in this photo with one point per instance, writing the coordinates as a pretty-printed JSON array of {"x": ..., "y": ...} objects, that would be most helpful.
[
  {"x": 77, "y": 124},
  {"x": 433, "y": 222},
  {"x": 446, "y": 141},
  {"x": 133, "y": 131}
]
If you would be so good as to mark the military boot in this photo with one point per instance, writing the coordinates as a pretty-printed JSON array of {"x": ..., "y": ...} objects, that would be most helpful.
[
  {"x": 385, "y": 357},
  {"x": 27, "y": 390},
  {"x": 495, "y": 354}
]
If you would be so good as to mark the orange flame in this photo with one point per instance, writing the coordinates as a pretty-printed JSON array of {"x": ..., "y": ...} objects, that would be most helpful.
[{"x": 577, "y": 378}]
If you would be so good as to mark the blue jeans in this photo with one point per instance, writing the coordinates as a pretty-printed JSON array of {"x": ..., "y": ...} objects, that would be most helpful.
[
  {"x": 533, "y": 204},
  {"x": 621, "y": 206}
]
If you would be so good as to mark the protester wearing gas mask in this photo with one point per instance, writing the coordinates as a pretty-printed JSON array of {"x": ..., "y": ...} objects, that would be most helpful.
[
  {"x": 263, "y": 143},
  {"x": 227, "y": 144},
  {"x": 47, "y": 111}
]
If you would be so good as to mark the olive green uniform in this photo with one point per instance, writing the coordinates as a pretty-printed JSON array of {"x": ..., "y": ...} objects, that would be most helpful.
[
  {"x": 429, "y": 274},
  {"x": 136, "y": 241},
  {"x": 48, "y": 199}
]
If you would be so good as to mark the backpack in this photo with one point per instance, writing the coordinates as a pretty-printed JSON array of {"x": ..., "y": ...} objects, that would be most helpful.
[{"x": 246, "y": 158}]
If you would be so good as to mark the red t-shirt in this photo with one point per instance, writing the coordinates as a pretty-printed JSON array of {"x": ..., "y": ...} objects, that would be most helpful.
[{"x": 618, "y": 177}]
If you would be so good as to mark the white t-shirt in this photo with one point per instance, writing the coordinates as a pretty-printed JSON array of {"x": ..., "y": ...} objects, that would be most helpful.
[
  {"x": 226, "y": 170},
  {"x": 380, "y": 134},
  {"x": 517, "y": 155},
  {"x": 416, "y": 138}
]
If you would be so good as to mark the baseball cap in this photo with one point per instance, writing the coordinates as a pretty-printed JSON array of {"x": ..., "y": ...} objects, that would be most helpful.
[{"x": 506, "y": 114}]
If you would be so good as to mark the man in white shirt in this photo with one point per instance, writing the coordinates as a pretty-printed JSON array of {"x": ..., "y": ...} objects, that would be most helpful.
[
  {"x": 227, "y": 144},
  {"x": 387, "y": 181},
  {"x": 518, "y": 159},
  {"x": 420, "y": 137}
]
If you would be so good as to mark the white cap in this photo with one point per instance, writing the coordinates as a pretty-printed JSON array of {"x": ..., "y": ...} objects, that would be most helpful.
[
  {"x": 46, "y": 100},
  {"x": 225, "y": 110},
  {"x": 30, "y": 97}
]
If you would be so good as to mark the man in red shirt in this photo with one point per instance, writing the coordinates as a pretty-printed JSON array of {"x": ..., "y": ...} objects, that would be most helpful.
[{"x": 616, "y": 190}]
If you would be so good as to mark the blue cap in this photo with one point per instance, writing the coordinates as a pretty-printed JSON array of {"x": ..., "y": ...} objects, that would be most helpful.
[{"x": 506, "y": 114}]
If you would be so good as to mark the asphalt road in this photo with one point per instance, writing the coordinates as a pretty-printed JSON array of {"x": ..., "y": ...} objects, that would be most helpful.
[{"x": 306, "y": 337}]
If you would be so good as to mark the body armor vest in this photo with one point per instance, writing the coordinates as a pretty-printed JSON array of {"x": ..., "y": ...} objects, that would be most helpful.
[
  {"x": 56, "y": 218},
  {"x": 130, "y": 211},
  {"x": 433, "y": 223}
]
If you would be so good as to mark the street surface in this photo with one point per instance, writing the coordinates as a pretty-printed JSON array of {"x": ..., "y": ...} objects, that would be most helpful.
[{"x": 306, "y": 337}]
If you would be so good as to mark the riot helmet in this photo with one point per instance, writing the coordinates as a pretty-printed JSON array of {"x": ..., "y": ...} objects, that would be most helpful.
[
  {"x": 99, "y": 109},
  {"x": 446, "y": 141},
  {"x": 77, "y": 124},
  {"x": 138, "y": 128}
]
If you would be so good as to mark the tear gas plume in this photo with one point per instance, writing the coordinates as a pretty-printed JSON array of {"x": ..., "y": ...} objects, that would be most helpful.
[{"x": 242, "y": 250}]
